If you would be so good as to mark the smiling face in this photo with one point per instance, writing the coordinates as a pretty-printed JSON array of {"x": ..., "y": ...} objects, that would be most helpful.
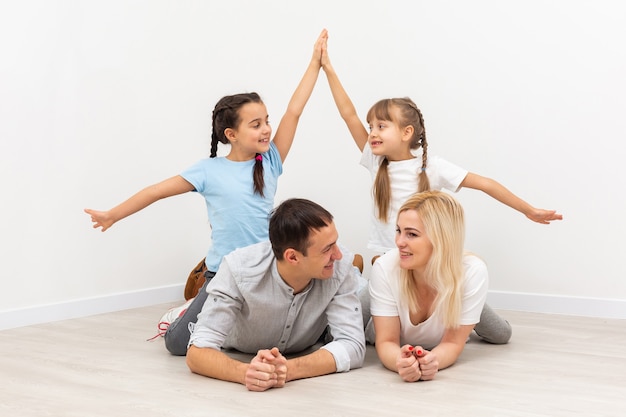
[
  {"x": 322, "y": 252},
  {"x": 388, "y": 138},
  {"x": 412, "y": 241},
  {"x": 252, "y": 134}
]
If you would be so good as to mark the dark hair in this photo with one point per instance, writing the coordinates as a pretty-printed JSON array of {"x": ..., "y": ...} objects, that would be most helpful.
[
  {"x": 291, "y": 224},
  {"x": 408, "y": 115},
  {"x": 226, "y": 115}
]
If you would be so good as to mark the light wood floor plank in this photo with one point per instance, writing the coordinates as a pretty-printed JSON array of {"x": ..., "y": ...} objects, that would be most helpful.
[{"x": 103, "y": 366}]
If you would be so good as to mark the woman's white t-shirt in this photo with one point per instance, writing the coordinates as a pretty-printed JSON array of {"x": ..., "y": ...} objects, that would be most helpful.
[{"x": 387, "y": 300}]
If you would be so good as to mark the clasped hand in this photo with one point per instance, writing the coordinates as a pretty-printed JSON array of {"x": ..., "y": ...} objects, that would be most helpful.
[
  {"x": 268, "y": 369},
  {"x": 415, "y": 363}
]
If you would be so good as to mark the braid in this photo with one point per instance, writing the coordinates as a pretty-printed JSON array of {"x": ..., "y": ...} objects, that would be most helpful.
[
  {"x": 219, "y": 123},
  {"x": 407, "y": 115},
  {"x": 257, "y": 175},
  {"x": 424, "y": 183},
  {"x": 226, "y": 116},
  {"x": 214, "y": 141}
]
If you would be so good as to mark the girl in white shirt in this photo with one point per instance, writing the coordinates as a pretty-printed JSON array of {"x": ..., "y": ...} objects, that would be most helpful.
[{"x": 391, "y": 152}]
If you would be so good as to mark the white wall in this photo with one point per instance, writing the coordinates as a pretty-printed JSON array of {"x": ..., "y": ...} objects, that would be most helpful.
[{"x": 101, "y": 98}]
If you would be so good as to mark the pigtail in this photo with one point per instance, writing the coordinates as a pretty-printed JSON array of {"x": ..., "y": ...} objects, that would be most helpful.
[
  {"x": 218, "y": 125},
  {"x": 214, "y": 141},
  {"x": 409, "y": 115},
  {"x": 225, "y": 116},
  {"x": 424, "y": 183},
  {"x": 257, "y": 175},
  {"x": 382, "y": 190}
]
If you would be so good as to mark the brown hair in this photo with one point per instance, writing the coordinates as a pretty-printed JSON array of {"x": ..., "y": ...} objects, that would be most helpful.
[
  {"x": 292, "y": 222},
  {"x": 226, "y": 115},
  {"x": 407, "y": 115}
]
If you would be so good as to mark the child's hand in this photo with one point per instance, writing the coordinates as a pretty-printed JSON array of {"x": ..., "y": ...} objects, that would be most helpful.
[
  {"x": 100, "y": 219},
  {"x": 320, "y": 45},
  {"x": 325, "y": 59},
  {"x": 544, "y": 216}
]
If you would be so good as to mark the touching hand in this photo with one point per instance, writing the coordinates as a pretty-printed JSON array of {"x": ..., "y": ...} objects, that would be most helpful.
[
  {"x": 544, "y": 216},
  {"x": 280, "y": 367},
  {"x": 100, "y": 219},
  {"x": 407, "y": 364},
  {"x": 325, "y": 59},
  {"x": 262, "y": 374},
  {"x": 320, "y": 45},
  {"x": 428, "y": 363}
]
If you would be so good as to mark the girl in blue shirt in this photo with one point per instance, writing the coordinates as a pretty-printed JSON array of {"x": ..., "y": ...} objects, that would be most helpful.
[{"x": 239, "y": 188}]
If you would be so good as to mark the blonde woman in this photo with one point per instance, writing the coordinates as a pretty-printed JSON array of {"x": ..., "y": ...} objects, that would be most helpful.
[{"x": 427, "y": 294}]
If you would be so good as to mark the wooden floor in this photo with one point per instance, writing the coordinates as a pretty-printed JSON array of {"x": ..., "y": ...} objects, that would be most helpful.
[{"x": 103, "y": 366}]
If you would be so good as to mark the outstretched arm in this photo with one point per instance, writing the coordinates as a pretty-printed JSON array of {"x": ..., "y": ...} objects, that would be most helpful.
[
  {"x": 169, "y": 187},
  {"x": 343, "y": 102},
  {"x": 287, "y": 128},
  {"x": 503, "y": 195}
]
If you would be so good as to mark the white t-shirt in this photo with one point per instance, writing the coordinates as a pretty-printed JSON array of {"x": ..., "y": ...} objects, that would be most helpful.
[
  {"x": 404, "y": 183},
  {"x": 386, "y": 299}
]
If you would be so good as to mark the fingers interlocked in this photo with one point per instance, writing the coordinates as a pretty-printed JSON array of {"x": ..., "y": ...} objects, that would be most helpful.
[{"x": 268, "y": 369}]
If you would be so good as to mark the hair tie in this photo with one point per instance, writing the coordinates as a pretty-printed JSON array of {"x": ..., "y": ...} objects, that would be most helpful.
[
  {"x": 259, "y": 157},
  {"x": 423, "y": 169}
]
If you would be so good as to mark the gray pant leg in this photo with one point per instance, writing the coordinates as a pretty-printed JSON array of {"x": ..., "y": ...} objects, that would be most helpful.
[
  {"x": 178, "y": 333},
  {"x": 493, "y": 328}
]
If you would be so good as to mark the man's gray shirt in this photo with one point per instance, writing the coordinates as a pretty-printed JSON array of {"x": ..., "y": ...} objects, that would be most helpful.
[{"x": 250, "y": 307}]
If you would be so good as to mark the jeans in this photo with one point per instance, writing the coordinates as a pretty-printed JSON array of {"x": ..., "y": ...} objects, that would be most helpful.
[{"x": 179, "y": 331}]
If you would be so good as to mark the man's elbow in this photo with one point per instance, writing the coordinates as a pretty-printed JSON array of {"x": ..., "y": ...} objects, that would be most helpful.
[
  {"x": 192, "y": 359},
  {"x": 359, "y": 358},
  {"x": 357, "y": 363}
]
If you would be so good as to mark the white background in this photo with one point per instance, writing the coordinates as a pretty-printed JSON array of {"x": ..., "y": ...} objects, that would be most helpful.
[{"x": 99, "y": 99}]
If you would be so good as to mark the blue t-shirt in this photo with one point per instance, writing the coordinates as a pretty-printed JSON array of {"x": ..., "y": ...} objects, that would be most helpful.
[{"x": 239, "y": 217}]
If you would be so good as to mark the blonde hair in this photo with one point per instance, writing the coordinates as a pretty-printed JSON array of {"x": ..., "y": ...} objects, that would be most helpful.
[
  {"x": 444, "y": 224},
  {"x": 407, "y": 115}
]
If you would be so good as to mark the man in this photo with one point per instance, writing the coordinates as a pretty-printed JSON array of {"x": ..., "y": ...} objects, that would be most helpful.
[{"x": 278, "y": 297}]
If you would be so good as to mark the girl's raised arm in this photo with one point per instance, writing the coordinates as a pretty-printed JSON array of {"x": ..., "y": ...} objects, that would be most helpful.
[
  {"x": 343, "y": 102},
  {"x": 287, "y": 127}
]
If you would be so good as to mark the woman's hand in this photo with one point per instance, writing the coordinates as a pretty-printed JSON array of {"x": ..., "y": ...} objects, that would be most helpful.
[
  {"x": 407, "y": 364},
  {"x": 428, "y": 363}
]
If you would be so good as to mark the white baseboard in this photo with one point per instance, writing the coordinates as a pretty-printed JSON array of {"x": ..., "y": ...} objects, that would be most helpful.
[
  {"x": 89, "y": 306},
  {"x": 558, "y": 304},
  {"x": 536, "y": 303}
]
